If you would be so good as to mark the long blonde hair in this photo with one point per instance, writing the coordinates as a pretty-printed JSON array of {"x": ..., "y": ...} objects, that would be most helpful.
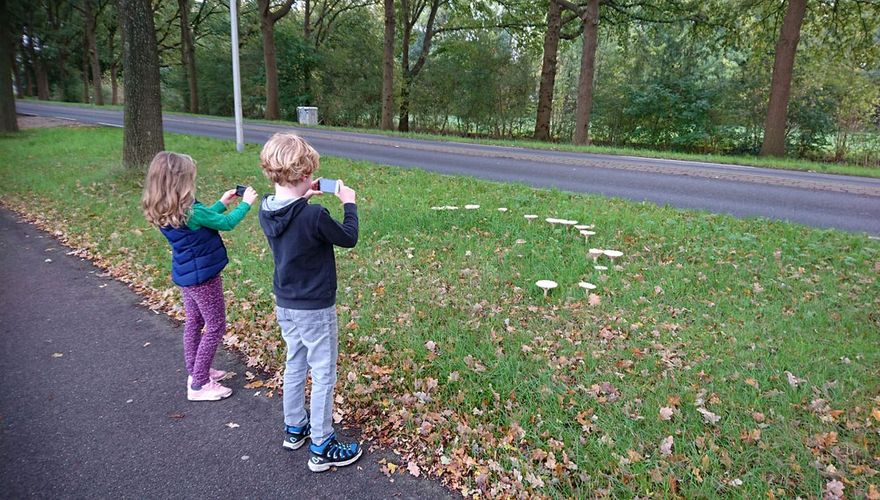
[{"x": 169, "y": 190}]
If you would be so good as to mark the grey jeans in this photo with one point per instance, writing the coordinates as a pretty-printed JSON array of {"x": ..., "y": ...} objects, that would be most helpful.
[{"x": 312, "y": 342}]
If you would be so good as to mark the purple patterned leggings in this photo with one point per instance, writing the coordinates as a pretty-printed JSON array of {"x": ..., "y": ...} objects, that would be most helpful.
[{"x": 205, "y": 308}]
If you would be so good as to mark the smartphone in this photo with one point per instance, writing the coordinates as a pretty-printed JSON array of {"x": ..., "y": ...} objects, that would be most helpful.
[
  {"x": 239, "y": 190},
  {"x": 328, "y": 185}
]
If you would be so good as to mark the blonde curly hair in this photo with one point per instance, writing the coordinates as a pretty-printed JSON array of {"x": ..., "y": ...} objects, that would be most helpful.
[
  {"x": 287, "y": 158},
  {"x": 169, "y": 190}
]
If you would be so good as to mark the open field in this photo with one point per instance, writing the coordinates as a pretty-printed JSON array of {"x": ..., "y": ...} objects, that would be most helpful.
[{"x": 717, "y": 356}]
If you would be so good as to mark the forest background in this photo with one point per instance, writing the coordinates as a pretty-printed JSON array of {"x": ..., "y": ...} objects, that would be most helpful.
[{"x": 669, "y": 75}]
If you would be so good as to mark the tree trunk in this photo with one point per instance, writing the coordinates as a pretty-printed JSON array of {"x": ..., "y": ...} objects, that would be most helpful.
[
  {"x": 403, "y": 115},
  {"x": 188, "y": 56},
  {"x": 114, "y": 87},
  {"x": 267, "y": 28},
  {"x": 8, "y": 119},
  {"x": 307, "y": 20},
  {"x": 16, "y": 70},
  {"x": 42, "y": 80},
  {"x": 780, "y": 85},
  {"x": 92, "y": 50},
  {"x": 143, "y": 105},
  {"x": 388, "y": 68},
  {"x": 590, "y": 18},
  {"x": 548, "y": 72},
  {"x": 85, "y": 75}
]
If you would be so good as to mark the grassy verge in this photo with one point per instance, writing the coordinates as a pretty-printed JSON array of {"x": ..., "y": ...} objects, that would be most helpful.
[
  {"x": 755, "y": 161},
  {"x": 719, "y": 357}
]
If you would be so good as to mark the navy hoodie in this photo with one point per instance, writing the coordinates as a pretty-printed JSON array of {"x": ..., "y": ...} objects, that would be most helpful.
[{"x": 302, "y": 237}]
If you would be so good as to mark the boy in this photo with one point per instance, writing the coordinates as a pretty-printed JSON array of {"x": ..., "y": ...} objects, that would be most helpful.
[{"x": 302, "y": 237}]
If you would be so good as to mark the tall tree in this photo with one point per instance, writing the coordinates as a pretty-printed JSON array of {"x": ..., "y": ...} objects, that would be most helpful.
[
  {"x": 268, "y": 18},
  {"x": 91, "y": 12},
  {"x": 8, "y": 119},
  {"x": 548, "y": 72},
  {"x": 188, "y": 55},
  {"x": 388, "y": 68},
  {"x": 589, "y": 15},
  {"x": 140, "y": 66},
  {"x": 411, "y": 13},
  {"x": 780, "y": 85}
]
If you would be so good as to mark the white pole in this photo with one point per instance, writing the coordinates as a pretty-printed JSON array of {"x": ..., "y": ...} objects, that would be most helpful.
[{"x": 236, "y": 76}]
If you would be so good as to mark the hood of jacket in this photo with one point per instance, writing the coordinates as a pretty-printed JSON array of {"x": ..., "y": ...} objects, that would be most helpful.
[{"x": 276, "y": 215}]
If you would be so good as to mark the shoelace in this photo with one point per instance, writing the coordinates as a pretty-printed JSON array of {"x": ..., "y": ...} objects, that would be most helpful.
[{"x": 339, "y": 450}]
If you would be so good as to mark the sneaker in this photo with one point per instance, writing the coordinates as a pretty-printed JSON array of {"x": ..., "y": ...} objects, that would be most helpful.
[
  {"x": 332, "y": 453},
  {"x": 213, "y": 376},
  {"x": 296, "y": 436},
  {"x": 212, "y": 391}
]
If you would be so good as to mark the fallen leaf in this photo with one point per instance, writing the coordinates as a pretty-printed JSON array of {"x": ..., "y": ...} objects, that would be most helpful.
[
  {"x": 833, "y": 490},
  {"x": 666, "y": 446},
  {"x": 594, "y": 299},
  {"x": 876, "y": 414},
  {"x": 793, "y": 380},
  {"x": 232, "y": 425},
  {"x": 430, "y": 345},
  {"x": 708, "y": 416},
  {"x": 176, "y": 415},
  {"x": 413, "y": 468},
  {"x": 873, "y": 493},
  {"x": 666, "y": 413},
  {"x": 254, "y": 384},
  {"x": 752, "y": 382},
  {"x": 57, "y": 354}
]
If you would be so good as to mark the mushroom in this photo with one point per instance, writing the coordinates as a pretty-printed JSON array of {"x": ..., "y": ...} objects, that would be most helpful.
[
  {"x": 581, "y": 227},
  {"x": 586, "y": 234},
  {"x": 594, "y": 253},
  {"x": 471, "y": 207},
  {"x": 566, "y": 222},
  {"x": 552, "y": 220},
  {"x": 600, "y": 268},
  {"x": 546, "y": 285},
  {"x": 502, "y": 209},
  {"x": 612, "y": 254},
  {"x": 530, "y": 217},
  {"x": 587, "y": 286},
  {"x": 451, "y": 207}
]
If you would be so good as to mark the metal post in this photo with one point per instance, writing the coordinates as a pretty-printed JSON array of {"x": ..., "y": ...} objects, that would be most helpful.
[{"x": 236, "y": 76}]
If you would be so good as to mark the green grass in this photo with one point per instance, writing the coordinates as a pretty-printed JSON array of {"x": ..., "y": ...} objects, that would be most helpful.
[
  {"x": 450, "y": 353},
  {"x": 748, "y": 160}
]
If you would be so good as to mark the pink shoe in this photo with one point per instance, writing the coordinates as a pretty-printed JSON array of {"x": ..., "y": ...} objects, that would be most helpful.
[
  {"x": 213, "y": 376},
  {"x": 212, "y": 391}
]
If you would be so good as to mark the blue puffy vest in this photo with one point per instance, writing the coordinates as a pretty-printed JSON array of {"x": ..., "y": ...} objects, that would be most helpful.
[{"x": 196, "y": 256}]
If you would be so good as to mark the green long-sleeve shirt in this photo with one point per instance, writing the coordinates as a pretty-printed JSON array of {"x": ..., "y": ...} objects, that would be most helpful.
[{"x": 213, "y": 217}]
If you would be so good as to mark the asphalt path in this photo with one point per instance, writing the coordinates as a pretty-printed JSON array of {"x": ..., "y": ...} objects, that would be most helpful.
[
  {"x": 93, "y": 400},
  {"x": 821, "y": 200}
]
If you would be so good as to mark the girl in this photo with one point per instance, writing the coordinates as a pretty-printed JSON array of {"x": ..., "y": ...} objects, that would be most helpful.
[{"x": 197, "y": 257}]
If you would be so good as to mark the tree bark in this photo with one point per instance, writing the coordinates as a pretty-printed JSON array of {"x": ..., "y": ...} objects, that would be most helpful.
[
  {"x": 92, "y": 50},
  {"x": 16, "y": 70},
  {"x": 388, "y": 69},
  {"x": 267, "y": 28},
  {"x": 409, "y": 74},
  {"x": 780, "y": 85},
  {"x": 548, "y": 72},
  {"x": 188, "y": 56},
  {"x": 143, "y": 104},
  {"x": 590, "y": 18},
  {"x": 8, "y": 118},
  {"x": 85, "y": 74}
]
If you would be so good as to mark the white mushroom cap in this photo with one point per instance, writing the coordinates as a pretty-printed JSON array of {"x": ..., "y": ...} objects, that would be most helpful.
[
  {"x": 587, "y": 233},
  {"x": 438, "y": 208},
  {"x": 502, "y": 209},
  {"x": 552, "y": 220},
  {"x": 613, "y": 253},
  {"x": 581, "y": 227},
  {"x": 568, "y": 222},
  {"x": 450, "y": 207},
  {"x": 471, "y": 207},
  {"x": 596, "y": 251},
  {"x": 600, "y": 268},
  {"x": 587, "y": 286},
  {"x": 530, "y": 216},
  {"x": 546, "y": 284}
]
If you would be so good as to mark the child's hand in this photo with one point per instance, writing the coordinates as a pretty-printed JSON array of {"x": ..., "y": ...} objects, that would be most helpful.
[
  {"x": 314, "y": 190},
  {"x": 250, "y": 194},
  {"x": 227, "y": 197},
  {"x": 345, "y": 194}
]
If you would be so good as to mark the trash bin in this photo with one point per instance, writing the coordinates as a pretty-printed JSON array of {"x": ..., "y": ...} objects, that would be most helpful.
[{"x": 307, "y": 115}]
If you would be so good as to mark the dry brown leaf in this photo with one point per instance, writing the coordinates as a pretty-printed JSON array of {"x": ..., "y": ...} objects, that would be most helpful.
[{"x": 666, "y": 413}]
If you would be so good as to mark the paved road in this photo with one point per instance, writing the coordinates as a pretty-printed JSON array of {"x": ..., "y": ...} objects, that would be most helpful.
[
  {"x": 109, "y": 417},
  {"x": 820, "y": 200}
]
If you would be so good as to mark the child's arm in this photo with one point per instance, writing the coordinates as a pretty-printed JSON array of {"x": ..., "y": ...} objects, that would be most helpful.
[
  {"x": 218, "y": 207},
  {"x": 343, "y": 235},
  {"x": 203, "y": 216},
  {"x": 222, "y": 204}
]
